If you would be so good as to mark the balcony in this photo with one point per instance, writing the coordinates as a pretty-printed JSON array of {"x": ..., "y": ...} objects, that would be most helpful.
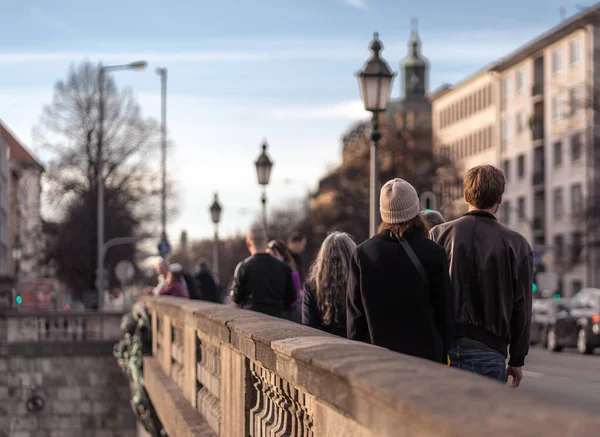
[
  {"x": 537, "y": 128},
  {"x": 537, "y": 90}
]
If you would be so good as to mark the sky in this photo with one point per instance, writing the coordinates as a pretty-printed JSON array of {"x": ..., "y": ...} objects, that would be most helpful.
[{"x": 243, "y": 71}]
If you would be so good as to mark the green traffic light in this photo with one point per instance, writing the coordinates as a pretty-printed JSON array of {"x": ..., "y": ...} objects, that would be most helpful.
[
  {"x": 19, "y": 299},
  {"x": 557, "y": 296},
  {"x": 534, "y": 287}
]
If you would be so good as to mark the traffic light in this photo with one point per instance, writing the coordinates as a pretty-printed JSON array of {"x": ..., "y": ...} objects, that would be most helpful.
[
  {"x": 18, "y": 299},
  {"x": 534, "y": 288},
  {"x": 557, "y": 296}
]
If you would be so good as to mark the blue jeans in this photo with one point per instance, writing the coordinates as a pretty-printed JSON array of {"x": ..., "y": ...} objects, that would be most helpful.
[{"x": 482, "y": 362}]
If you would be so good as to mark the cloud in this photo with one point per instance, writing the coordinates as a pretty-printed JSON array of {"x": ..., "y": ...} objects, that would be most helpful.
[
  {"x": 455, "y": 47},
  {"x": 39, "y": 15},
  {"x": 359, "y": 4},
  {"x": 349, "y": 110}
]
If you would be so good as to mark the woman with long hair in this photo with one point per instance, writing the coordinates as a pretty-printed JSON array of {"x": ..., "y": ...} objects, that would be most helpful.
[
  {"x": 278, "y": 249},
  {"x": 324, "y": 305},
  {"x": 399, "y": 293}
]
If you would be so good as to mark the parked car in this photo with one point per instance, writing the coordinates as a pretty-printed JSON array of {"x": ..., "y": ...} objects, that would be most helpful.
[
  {"x": 544, "y": 316},
  {"x": 577, "y": 323}
]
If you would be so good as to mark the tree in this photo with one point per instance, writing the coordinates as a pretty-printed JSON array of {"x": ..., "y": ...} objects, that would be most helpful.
[
  {"x": 68, "y": 131},
  {"x": 406, "y": 150}
]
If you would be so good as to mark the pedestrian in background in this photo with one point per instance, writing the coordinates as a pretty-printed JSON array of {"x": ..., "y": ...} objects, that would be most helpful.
[
  {"x": 205, "y": 282},
  {"x": 433, "y": 218},
  {"x": 297, "y": 246},
  {"x": 399, "y": 288},
  {"x": 278, "y": 249},
  {"x": 162, "y": 271},
  {"x": 492, "y": 275},
  {"x": 175, "y": 283},
  {"x": 262, "y": 282},
  {"x": 326, "y": 287}
]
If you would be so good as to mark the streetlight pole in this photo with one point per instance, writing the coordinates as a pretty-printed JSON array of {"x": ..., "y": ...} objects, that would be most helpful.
[
  {"x": 374, "y": 179},
  {"x": 375, "y": 80},
  {"x": 263, "y": 171},
  {"x": 215, "y": 212},
  {"x": 162, "y": 72},
  {"x": 138, "y": 65}
]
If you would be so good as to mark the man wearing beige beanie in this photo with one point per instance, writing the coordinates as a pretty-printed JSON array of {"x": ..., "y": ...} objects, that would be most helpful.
[{"x": 399, "y": 288}]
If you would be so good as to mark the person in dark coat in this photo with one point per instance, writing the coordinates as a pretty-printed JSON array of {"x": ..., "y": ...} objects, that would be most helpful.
[
  {"x": 492, "y": 276},
  {"x": 393, "y": 301},
  {"x": 206, "y": 282},
  {"x": 324, "y": 304},
  {"x": 263, "y": 282},
  {"x": 433, "y": 218}
]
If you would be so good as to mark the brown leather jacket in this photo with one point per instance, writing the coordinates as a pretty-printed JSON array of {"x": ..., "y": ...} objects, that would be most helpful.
[{"x": 491, "y": 268}]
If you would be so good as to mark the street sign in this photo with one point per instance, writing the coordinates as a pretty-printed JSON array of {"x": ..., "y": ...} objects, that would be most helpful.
[
  {"x": 547, "y": 281},
  {"x": 164, "y": 248},
  {"x": 124, "y": 271}
]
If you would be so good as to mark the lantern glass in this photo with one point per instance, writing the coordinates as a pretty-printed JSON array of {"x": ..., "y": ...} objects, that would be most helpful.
[{"x": 215, "y": 210}]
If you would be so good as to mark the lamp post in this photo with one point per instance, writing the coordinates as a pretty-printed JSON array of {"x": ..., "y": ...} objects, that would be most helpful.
[
  {"x": 162, "y": 72},
  {"x": 138, "y": 65},
  {"x": 263, "y": 172},
  {"x": 375, "y": 80},
  {"x": 215, "y": 213}
]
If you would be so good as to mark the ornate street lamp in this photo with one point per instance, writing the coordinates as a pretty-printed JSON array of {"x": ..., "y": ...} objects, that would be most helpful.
[
  {"x": 263, "y": 172},
  {"x": 215, "y": 213},
  {"x": 375, "y": 80}
]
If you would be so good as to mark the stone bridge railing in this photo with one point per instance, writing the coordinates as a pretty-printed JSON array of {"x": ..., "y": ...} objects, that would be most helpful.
[{"x": 220, "y": 371}]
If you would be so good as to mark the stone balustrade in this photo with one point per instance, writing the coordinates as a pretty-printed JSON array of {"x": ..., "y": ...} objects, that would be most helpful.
[
  {"x": 63, "y": 327},
  {"x": 221, "y": 371}
]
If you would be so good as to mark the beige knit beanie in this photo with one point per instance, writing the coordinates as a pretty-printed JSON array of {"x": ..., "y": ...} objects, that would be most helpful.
[{"x": 398, "y": 202}]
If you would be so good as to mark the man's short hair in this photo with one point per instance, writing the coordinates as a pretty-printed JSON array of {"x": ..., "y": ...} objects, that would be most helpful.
[
  {"x": 484, "y": 186},
  {"x": 296, "y": 237},
  {"x": 257, "y": 236}
]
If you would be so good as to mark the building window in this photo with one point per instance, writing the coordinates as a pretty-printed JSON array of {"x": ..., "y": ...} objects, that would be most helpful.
[
  {"x": 521, "y": 207},
  {"x": 506, "y": 169},
  {"x": 557, "y": 61},
  {"x": 575, "y": 100},
  {"x": 520, "y": 122},
  {"x": 506, "y": 213},
  {"x": 521, "y": 166},
  {"x": 559, "y": 248},
  {"x": 506, "y": 88},
  {"x": 520, "y": 80},
  {"x": 576, "y": 287},
  {"x": 557, "y": 154},
  {"x": 558, "y": 202},
  {"x": 556, "y": 108},
  {"x": 505, "y": 130},
  {"x": 575, "y": 51},
  {"x": 576, "y": 198},
  {"x": 576, "y": 247},
  {"x": 576, "y": 147}
]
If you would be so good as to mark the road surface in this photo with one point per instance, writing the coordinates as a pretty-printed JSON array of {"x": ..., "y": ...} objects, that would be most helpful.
[{"x": 565, "y": 378}]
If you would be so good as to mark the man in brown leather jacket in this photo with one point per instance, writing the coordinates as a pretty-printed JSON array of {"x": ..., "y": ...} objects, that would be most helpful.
[{"x": 491, "y": 268}]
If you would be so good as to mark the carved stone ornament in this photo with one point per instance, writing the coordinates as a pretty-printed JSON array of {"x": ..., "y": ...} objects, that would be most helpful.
[{"x": 129, "y": 352}]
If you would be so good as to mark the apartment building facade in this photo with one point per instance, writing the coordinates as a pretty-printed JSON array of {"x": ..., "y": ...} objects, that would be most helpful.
[
  {"x": 5, "y": 278},
  {"x": 543, "y": 138}
]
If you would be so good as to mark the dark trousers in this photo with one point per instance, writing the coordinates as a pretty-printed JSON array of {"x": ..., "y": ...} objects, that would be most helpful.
[{"x": 482, "y": 362}]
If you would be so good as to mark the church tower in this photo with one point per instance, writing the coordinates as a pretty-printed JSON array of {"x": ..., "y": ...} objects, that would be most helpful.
[{"x": 414, "y": 68}]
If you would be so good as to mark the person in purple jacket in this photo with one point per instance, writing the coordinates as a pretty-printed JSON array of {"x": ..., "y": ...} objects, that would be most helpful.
[
  {"x": 278, "y": 249},
  {"x": 175, "y": 283}
]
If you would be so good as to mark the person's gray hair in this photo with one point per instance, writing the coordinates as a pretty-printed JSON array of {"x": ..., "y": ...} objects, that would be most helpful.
[
  {"x": 257, "y": 235},
  {"x": 434, "y": 218},
  {"x": 329, "y": 276}
]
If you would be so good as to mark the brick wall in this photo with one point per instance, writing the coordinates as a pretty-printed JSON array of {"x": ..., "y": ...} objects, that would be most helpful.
[{"x": 84, "y": 397}]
